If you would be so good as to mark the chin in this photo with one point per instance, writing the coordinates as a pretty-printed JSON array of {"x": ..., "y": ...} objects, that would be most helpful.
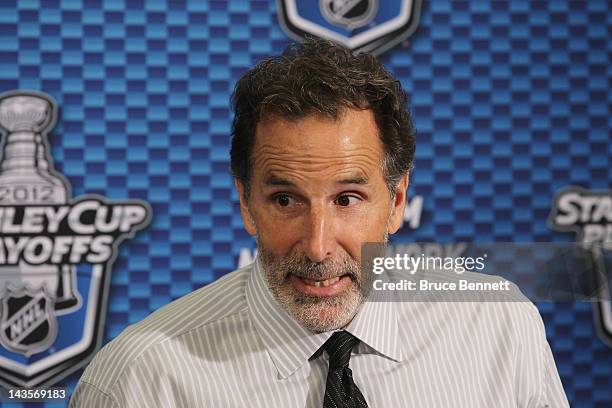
[{"x": 320, "y": 314}]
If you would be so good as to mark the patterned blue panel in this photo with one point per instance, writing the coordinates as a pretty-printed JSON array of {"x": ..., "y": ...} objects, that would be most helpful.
[{"x": 511, "y": 100}]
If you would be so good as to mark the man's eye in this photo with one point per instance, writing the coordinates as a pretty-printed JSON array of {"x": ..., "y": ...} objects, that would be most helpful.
[
  {"x": 347, "y": 200},
  {"x": 284, "y": 200}
]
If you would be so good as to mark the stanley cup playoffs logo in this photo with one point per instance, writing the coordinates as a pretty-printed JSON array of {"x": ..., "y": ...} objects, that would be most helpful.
[
  {"x": 55, "y": 251},
  {"x": 588, "y": 213}
]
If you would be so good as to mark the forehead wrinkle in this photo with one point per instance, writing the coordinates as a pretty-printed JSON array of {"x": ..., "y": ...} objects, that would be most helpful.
[
  {"x": 273, "y": 157},
  {"x": 277, "y": 166},
  {"x": 292, "y": 177},
  {"x": 312, "y": 150},
  {"x": 348, "y": 149}
]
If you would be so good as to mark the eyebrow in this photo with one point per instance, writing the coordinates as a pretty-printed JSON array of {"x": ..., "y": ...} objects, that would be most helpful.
[
  {"x": 353, "y": 180},
  {"x": 273, "y": 180}
]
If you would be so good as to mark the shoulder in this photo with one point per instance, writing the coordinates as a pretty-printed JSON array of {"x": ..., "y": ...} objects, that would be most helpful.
[
  {"x": 222, "y": 300},
  {"x": 505, "y": 316}
]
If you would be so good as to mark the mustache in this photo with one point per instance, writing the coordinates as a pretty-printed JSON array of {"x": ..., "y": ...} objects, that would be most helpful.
[{"x": 303, "y": 267}]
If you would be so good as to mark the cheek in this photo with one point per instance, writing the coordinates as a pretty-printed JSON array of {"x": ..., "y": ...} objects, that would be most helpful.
[
  {"x": 276, "y": 236},
  {"x": 362, "y": 227}
]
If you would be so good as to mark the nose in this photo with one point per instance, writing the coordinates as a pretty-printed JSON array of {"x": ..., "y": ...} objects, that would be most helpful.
[{"x": 319, "y": 235}]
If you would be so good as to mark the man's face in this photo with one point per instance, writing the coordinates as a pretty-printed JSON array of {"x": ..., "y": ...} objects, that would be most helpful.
[{"x": 317, "y": 193}]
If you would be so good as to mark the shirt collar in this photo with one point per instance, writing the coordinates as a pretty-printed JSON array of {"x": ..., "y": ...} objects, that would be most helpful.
[{"x": 289, "y": 344}]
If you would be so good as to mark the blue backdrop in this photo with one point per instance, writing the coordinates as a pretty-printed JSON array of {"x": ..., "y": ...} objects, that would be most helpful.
[{"x": 511, "y": 101}]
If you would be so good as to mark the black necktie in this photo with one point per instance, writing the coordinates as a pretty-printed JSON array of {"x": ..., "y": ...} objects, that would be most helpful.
[{"x": 340, "y": 389}]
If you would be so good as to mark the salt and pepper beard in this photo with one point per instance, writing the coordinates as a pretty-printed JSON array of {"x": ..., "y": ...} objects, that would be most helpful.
[{"x": 319, "y": 314}]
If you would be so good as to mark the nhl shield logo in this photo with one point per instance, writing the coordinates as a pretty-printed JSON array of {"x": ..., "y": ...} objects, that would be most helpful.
[
  {"x": 361, "y": 25},
  {"x": 56, "y": 251},
  {"x": 349, "y": 13},
  {"x": 28, "y": 325}
]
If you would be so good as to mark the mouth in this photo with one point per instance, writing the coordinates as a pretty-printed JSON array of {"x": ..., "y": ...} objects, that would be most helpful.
[
  {"x": 321, "y": 283},
  {"x": 320, "y": 287}
]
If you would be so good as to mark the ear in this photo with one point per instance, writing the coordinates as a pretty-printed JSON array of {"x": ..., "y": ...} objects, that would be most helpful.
[
  {"x": 396, "y": 218},
  {"x": 247, "y": 218}
]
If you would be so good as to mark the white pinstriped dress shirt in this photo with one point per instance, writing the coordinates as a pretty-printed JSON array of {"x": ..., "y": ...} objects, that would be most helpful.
[{"x": 230, "y": 344}]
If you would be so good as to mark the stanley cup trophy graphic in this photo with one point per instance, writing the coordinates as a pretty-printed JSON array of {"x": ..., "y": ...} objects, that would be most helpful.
[{"x": 31, "y": 295}]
